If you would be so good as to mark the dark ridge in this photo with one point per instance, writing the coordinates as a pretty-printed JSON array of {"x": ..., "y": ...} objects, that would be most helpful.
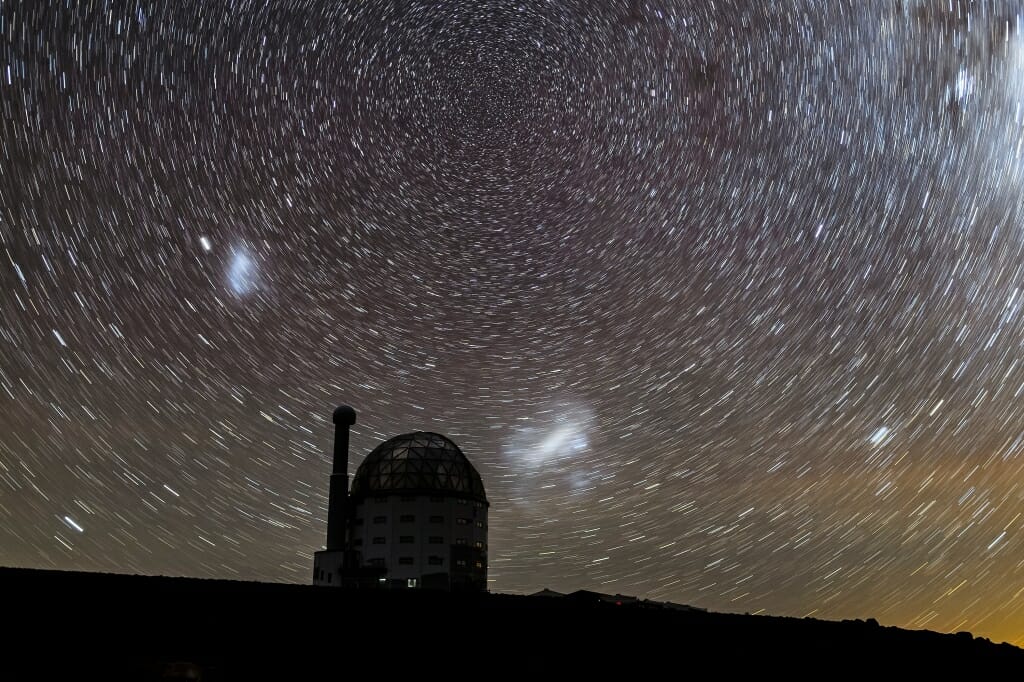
[{"x": 98, "y": 625}]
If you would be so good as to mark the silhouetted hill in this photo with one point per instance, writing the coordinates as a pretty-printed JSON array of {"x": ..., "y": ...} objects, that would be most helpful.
[{"x": 90, "y": 625}]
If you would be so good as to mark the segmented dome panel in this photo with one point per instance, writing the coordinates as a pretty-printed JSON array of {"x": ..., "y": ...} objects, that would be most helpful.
[{"x": 418, "y": 463}]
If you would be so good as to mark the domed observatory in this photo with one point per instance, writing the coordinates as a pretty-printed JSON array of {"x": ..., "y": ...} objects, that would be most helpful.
[{"x": 416, "y": 516}]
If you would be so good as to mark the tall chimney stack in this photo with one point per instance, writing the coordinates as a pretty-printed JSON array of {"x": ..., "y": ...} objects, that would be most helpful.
[{"x": 344, "y": 417}]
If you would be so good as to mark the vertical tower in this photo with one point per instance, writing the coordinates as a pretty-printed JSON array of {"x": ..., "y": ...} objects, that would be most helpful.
[{"x": 329, "y": 564}]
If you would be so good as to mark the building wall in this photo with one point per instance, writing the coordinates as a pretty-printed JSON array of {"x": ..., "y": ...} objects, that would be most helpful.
[
  {"x": 397, "y": 530},
  {"x": 327, "y": 567}
]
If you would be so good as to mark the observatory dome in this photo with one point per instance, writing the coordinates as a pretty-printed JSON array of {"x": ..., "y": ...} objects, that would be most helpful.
[{"x": 422, "y": 463}]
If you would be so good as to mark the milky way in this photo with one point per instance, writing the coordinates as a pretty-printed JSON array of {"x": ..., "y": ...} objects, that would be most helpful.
[{"x": 723, "y": 299}]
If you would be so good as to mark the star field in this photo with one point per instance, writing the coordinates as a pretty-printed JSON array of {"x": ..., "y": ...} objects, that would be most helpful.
[{"x": 723, "y": 299}]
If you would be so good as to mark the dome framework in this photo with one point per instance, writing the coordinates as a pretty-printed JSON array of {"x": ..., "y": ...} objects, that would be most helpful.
[{"x": 423, "y": 463}]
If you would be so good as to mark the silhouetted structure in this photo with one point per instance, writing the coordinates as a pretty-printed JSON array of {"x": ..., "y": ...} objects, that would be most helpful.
[{"x": 416, "y": 516}]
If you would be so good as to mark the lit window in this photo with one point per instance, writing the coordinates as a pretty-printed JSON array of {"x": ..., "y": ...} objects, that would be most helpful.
[
  {"x": 437, "y": 519},
  {"x": 379, "y": 540},
  {"x": 479, "y": 564},
  {"x": 435, "y": 561},
  {"x": 478, "y": 544},
  {"x": 380, "y": 519},
  {"x": 407, "y": 539},
  {"x": 411, "y": 582},
  {"x": 479, "y": 524},
  {"x": 436, "y": 540},
  {"x": 405, "y": 561},
  {"x": 407, "y": 518}
]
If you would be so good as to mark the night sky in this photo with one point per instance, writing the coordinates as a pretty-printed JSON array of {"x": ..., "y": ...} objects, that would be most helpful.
[{"x": 723, "y": 299}]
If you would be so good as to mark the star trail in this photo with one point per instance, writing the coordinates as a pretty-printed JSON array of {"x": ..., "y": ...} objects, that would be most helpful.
[{"x": 723, "y": 299}]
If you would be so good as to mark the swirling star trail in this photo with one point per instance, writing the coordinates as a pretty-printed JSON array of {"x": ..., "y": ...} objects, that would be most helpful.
[{"x": 723, "y": 299}]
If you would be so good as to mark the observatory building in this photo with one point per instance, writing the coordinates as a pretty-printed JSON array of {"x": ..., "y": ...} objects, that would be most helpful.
[{"x": 415, "y": 517}]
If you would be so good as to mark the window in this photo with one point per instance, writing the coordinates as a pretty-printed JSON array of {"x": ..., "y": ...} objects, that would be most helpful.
[
  {"x": 380, "y": 540},
  {"x": 407, "y": 518},
  {"x": 408, "y": 498},
  {"x": 381, "y": 499},
  {"x": 405, "y": 561},
  {"x": 358, "y": 542},
  {"x": 461, "y": 563},
  {"x": 376, "y": 562},
  {"x": 435, "y": 561},
  {"x": 436, "y": 540},
  {"x": 328, "y": 577},
  {"x": 437, "y": 519},
  {"x": 460, "y": 541},
  {"x": 479, "y": 564},
  {"x": 478, "y": 505},
  {"x": 478, "y": 544},
  {"x": 461, "y": 501},
  {"x": 359, "y": 520},
  {"x": 436, "y": 499},
  {"x": 411, "y": 582},
  {"x": 380, "y": 519},
  {"x": 462, "y": 522},
  {"x": 479, "y": 524},
  {"x": 407, "y": 539}
]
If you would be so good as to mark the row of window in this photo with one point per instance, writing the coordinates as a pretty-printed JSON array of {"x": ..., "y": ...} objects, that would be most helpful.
[
  {"x": 412, "y": 498},
  {"x": 411, "y": 540},
  {"x": 411, "y": 561},
  {"x": 411, "y": 518},
  {"x": 461, "y": 563}
]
